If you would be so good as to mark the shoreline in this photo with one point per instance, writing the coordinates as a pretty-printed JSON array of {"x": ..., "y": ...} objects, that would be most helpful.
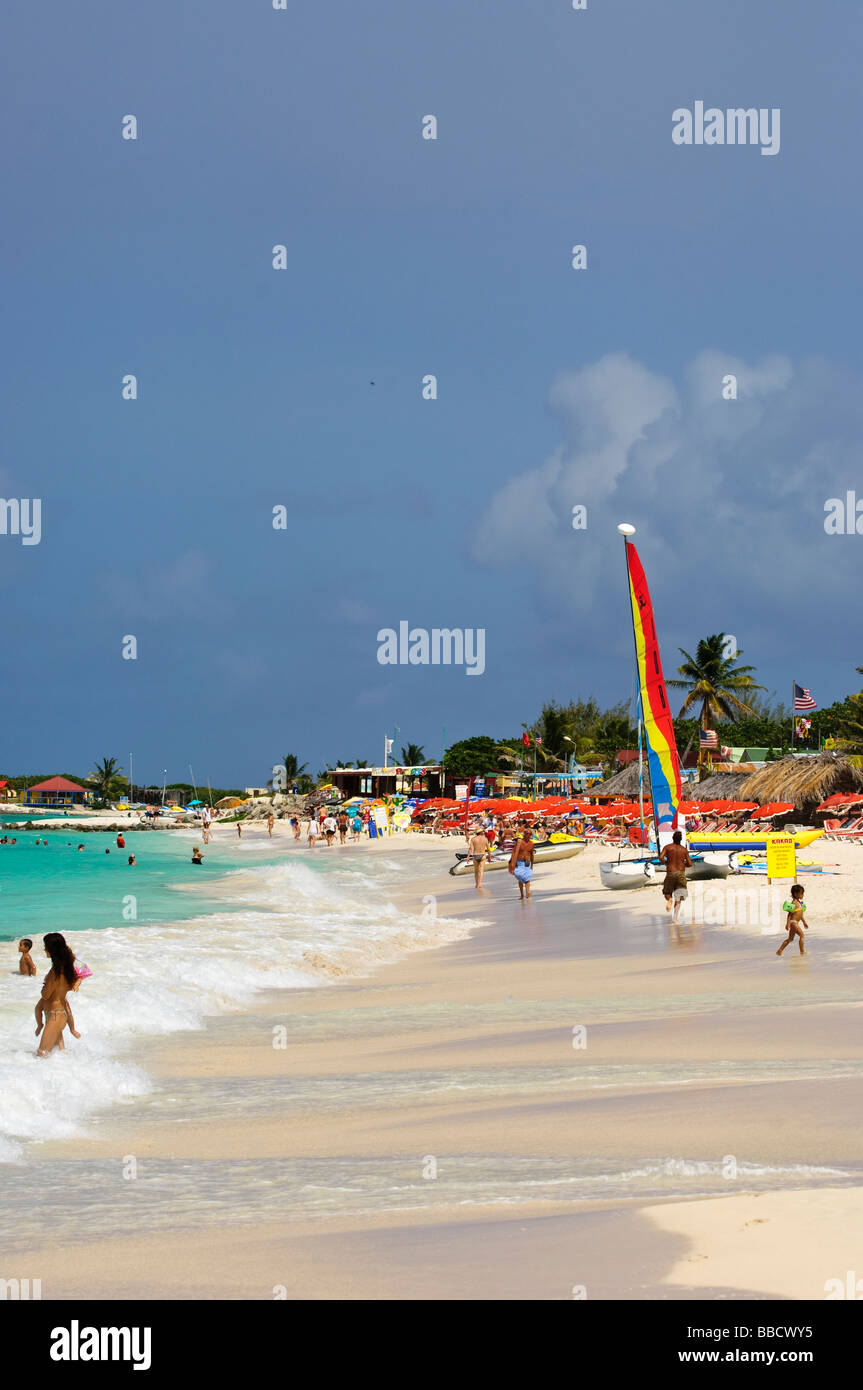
[{"x": 462, "y": 1052}]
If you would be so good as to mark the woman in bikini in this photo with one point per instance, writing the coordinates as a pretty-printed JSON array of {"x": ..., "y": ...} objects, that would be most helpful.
[{"x": 52, "y": 1010}]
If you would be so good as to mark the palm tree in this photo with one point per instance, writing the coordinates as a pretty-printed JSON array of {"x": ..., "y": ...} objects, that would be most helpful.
[
  {"x": 412, "y": 755},
  {"x": 712, "y": 681},
  {"x": 293, "y": 769},
  {"x": 852, "y": 729},
  {"x": 107, "y": 779}
]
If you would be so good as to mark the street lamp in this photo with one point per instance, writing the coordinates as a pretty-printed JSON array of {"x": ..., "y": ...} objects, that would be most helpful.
[{"x": 567, "y": 739}]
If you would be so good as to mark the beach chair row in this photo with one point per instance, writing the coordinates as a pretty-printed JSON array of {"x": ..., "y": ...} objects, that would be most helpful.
[{"x": 849, "y": 829}]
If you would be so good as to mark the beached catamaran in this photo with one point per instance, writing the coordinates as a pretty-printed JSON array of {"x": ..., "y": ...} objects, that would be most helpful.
[{"x": 663, "y": 762}]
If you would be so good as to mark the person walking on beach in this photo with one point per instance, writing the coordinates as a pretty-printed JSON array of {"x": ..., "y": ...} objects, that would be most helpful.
[
  {"x": 795, "y": 908},
  {"x": 239, "y": 830},
  {"x": 271, "y": 820},
  {"x": 313, "y": 831},
  {"x": 676, "y": 859},
  {"x": 521, "y": 861},
  {"x": 330, "y": 829},
  {"x": 52, "y": 1010},
  {"x": 342, "y": 821},
  {"x": 479, "y": 851}
]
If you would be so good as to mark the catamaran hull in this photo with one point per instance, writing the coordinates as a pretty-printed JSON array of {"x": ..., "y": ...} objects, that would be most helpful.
[
  {"x": 706, "y": 841},
  {"x": 642, "y": 873},
  {"x": 541, "y": 856}
]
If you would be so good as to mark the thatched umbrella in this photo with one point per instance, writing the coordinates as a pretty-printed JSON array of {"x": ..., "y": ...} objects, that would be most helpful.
[
  {"x": 229, "y": 802},
  {"x": 623, "y": 783},
  {"x": 805, "y": 781},
  {"x": 722, "y": 786}
]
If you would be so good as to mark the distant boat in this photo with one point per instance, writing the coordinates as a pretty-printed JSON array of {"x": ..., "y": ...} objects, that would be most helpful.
[
  {"x": 542, "y": 854},
  {"x": 663, "y": 762},
  {"x": 641, "y": 873},
  {"x": 755, "y": 840}
]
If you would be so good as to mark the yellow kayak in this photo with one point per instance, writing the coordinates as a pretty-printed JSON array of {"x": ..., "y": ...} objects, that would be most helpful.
[{"x": 740, "y": 840}]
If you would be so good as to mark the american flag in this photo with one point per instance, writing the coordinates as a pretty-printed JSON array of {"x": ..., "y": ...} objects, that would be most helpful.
[
  {"x": 803, "y": 698},
  {"x": 708, "y": 738}
]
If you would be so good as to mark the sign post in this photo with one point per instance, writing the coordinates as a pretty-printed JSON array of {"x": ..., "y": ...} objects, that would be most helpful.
[{"x": 781, "y": 858}]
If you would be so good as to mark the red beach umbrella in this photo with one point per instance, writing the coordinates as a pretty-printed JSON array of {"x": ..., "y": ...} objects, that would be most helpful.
[
  {"x": 839, "y": 800},
  {"x": 773, "y": 808}
]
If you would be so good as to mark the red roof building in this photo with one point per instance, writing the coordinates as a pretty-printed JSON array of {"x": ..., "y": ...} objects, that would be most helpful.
[{"x": 57, "y": 791}]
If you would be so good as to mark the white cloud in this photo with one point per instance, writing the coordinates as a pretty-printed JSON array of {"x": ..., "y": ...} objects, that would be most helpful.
[{"x": 728, "y": 495}]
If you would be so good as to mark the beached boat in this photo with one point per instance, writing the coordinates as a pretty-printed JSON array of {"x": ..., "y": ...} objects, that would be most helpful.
[
  {"x": 543, "y": 853},
  {"x": 663, "y": 763},
  {"x": 705, "y": 840},
  {"x": 641, "y": 873}
]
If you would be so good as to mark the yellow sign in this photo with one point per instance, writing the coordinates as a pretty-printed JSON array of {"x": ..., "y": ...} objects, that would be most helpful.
[{"x": 781, "y": 857}]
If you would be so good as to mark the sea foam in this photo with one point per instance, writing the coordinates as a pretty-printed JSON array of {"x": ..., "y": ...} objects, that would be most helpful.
[{"x": 286, "y": 926}]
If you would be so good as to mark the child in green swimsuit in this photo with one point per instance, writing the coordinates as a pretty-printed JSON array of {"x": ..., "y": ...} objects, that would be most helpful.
[{"x": 795, "y": 908}]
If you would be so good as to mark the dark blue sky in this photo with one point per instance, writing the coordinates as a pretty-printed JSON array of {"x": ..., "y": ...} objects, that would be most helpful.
[{"x": 406, "y": 257}]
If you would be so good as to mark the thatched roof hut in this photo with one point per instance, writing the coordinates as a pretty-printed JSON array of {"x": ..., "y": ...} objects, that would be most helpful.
[
  {"x": 623, "y": 783},
  {"x": 721, "y": 786},
  {"x": 805, "y": 781}
]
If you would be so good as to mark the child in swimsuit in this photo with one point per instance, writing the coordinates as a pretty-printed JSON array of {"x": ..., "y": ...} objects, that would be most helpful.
[
  {"x": 795, "y": 909},
  {"x": 27, "y": 965}
]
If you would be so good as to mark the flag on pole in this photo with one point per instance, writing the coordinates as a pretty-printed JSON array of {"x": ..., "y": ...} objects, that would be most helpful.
[
  {"x": 708, "y": 738},
  {"x": 389, "y": 744},
  {"x": 725, "y": 752},
  {"x": 525, "y": 738},
  {"x": 803, "y": 698}
]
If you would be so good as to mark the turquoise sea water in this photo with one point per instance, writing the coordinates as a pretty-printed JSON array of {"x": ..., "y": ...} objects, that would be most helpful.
[
  {"x": 199, "y": 941},
  {"x": 56, "y": 887}
]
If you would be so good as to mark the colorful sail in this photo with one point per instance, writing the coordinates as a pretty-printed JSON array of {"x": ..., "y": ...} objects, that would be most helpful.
[{"x": 662, "y": 760}]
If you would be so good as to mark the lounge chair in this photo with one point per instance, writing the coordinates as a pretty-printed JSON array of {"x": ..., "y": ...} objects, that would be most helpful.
[{"x": 851, "y": 829}]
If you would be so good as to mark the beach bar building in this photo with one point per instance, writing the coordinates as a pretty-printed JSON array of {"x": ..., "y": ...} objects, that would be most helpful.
[
  {"x": 57, "y": 792},
  {"x": 386, "y": 781}
]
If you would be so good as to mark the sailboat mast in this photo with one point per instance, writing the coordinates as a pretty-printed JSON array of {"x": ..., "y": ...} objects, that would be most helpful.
[
  {"x": 626, "y": 531},
  {"x": 640, "y": 776}
]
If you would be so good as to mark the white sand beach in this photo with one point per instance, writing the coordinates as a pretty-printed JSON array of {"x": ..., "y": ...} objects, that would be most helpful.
[{"x": 436, "y": 1128}]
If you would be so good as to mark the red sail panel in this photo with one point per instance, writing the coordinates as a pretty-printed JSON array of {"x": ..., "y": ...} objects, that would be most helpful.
[{"x": 662, "y": 759}]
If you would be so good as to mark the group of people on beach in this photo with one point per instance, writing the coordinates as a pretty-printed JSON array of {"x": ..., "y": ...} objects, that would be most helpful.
[
  {"x": 325, "y": 824},
  {"x": 675, "y": 857},
  {"x": 483, "y": 837}
]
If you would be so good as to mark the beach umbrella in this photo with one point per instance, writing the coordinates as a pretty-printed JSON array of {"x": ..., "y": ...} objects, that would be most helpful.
[
  {"x": 839, "y": 801},
  {"x": 774, "y": 808},
  {"x": 439, "y": 803},
  {"x": 229, "y": 802}
]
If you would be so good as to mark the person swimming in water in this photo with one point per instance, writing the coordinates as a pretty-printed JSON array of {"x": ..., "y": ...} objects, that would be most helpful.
[{"x": 795, "y": 908}]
